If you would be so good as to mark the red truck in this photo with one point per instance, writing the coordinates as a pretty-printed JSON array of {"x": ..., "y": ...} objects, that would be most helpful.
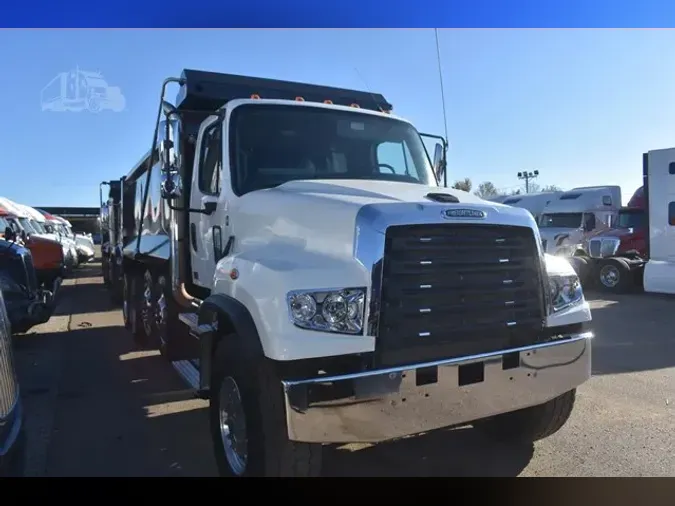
[{"x": 614, "y": 258}]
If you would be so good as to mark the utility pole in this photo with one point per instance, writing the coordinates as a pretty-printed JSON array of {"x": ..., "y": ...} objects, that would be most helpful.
[{"x": 527, "y": 176}]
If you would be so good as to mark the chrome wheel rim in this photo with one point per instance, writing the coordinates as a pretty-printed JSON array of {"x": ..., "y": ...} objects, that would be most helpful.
[
  {"x": 233, "y": 426},
  {"x": 146, "y": 309},
  {"x": 125, "y": 304},
  {"x": 609, "y": 276},
  {"x": 160, "y": 316}
]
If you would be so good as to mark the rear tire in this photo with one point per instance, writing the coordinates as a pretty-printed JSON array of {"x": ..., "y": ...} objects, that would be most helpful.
[
  {"x": 132, "y": 308},
  {"x": 170, "y": 330},
  {"x": 530, "y": 424},
  {"x": 242, "y": 383},
  {"x": 106, "y": 272}
]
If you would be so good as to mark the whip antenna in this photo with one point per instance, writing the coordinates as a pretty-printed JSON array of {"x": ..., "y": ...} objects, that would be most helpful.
[{"x": 445, "y": 115}]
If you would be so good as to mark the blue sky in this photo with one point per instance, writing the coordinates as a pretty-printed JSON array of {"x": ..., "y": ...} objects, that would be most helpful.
[{"x": 581, "y": 106}]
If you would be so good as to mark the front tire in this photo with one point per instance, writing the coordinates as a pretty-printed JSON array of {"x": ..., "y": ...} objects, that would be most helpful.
[
  {"x": 614, "y": 275},
  {"x": 248, "y": 419},
  {"x": 530, "y": 424}
]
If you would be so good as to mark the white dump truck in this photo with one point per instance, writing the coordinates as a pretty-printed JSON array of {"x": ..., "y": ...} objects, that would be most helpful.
[{"x": 290, "y": 251}]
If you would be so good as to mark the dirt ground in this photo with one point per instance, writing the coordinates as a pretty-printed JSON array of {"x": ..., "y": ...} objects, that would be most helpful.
[{"x": 95, "y": 406}]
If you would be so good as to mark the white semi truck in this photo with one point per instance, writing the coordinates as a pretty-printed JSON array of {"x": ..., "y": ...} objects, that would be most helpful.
[
  {"x": 289, "y": 250},
  {"x": 659, "y": 194},
  {"x": 570, "y": 219}
]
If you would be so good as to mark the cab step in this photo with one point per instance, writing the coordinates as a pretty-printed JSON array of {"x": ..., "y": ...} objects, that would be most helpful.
[
  {"x": 191, "y": 320},
  {"x": 189, "y": 371}
]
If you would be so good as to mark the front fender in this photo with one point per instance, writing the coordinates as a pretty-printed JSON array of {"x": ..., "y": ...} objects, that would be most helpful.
[{"x": 261, "y": 280}]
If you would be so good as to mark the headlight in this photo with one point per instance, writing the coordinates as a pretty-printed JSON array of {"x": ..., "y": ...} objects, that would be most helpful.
[
  {"x": 340, "y": 311},
  {"x": 565, "y": 291}
]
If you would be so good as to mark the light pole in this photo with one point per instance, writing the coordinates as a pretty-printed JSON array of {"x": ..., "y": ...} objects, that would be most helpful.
[{"x": 527, "y": 176}]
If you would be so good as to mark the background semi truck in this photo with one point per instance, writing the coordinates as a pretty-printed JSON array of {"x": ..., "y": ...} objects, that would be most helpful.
[
  {"x": 613, "y": 259},
  {"x": 288, "y": 249},
  {"x": 659, "y": 198}
]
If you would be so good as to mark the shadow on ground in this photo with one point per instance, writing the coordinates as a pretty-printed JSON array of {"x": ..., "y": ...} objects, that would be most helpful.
[{"x": 121, "y": 411}]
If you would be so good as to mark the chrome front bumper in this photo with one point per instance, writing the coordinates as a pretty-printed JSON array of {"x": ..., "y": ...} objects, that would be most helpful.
[{"x": 379, "y": 405}]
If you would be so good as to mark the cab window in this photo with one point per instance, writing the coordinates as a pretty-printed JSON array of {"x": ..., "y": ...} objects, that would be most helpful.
[{"x": 211, "y": 161}]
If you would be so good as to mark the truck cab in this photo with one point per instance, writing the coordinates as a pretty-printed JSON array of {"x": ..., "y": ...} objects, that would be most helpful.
[
  {"x": 575, "y": 215},
  {"x": 289, "y": 249},
  {"x": 48, "y": 256},
  {"x": 55, "y": 228},
  {"x": 111, "y": 236},
  {"x": 627, "y": 232},
  {"x": 533, "y": 202}
]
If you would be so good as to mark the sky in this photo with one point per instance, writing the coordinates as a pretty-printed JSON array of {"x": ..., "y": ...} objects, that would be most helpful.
[{"x": 579, "y": 106}]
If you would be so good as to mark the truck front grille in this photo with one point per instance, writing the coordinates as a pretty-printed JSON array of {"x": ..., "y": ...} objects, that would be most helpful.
[
  {"x": 603, "y": 247},
  {"x": 453, "y": 290},
  {"x": 31, "y": 275},
  {"x": 9, "y": 389}
]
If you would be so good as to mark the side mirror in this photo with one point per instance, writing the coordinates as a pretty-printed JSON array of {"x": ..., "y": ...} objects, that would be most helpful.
[
  {"x": 9, "y": 234},
  {"x": 439, "y": 162},
  {"x": 24, "y": 235},
  {"x": 169, "y": 153}
]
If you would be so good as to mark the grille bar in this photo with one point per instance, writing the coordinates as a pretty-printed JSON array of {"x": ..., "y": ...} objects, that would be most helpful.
[{"x": 454, "y": 289}]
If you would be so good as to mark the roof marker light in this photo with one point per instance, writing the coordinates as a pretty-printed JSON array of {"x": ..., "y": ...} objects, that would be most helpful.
[
  {"x": 355, "y": 106},
  {"x": 255, "y": 96},
  {"x": 299, "y": 99},
  {"x": 329, "y": 102}
]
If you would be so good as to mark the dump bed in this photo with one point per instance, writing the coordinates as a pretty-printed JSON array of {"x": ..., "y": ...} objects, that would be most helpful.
[{"x": 209, "y": 91}]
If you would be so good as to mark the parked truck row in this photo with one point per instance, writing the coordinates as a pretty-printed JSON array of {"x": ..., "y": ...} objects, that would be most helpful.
[
  {"x": 613, "y": 247},
  {"x": 297, "y": 256},
  {"x": 37, "y": 250}
]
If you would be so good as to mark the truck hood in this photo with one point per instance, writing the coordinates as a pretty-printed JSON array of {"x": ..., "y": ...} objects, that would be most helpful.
[
  {"x": 319, "y": 216},
  {"x": 82, "y": 240},
  {"x": 621, "y": 233},
  {"x": 550, "y": 233}
]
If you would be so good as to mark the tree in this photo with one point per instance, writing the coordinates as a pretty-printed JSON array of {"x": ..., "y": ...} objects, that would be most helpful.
[
  {"x": 551, "y": 188},
  {"x": 534, "y": 188},
  {"x": 463, "y": 184},
  {"x": 486, "y": 190},
  {"x": 515, "y": 192}
]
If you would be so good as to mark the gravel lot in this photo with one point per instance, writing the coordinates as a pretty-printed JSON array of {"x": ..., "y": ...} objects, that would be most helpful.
[{"x": 95, "y": 406}]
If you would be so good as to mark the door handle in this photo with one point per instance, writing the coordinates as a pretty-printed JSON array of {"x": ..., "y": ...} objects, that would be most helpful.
[{"x": 193, "y": 236}]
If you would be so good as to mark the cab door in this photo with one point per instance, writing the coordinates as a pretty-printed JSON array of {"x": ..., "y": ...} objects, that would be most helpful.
[{"x": 207, "y": 212}]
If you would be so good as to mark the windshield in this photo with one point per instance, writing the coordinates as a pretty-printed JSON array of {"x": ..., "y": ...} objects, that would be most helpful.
[
  {"x": 560, "y": 220},
  {"x": 37, "y": 226},
  {"x": 25, "y": 224},
  {"x": 630, "y": 219},
  {"x": 271, "y": 145}
]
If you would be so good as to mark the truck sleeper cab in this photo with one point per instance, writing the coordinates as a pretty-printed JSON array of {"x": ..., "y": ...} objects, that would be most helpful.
[
  {"x": 658, "y": 168},
  {"x": 533, "y": 202},
  {"x": 287, "y": 247}
]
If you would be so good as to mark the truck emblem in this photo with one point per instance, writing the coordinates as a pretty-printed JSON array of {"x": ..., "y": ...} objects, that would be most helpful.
[{"x": 473, "y": 214}]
